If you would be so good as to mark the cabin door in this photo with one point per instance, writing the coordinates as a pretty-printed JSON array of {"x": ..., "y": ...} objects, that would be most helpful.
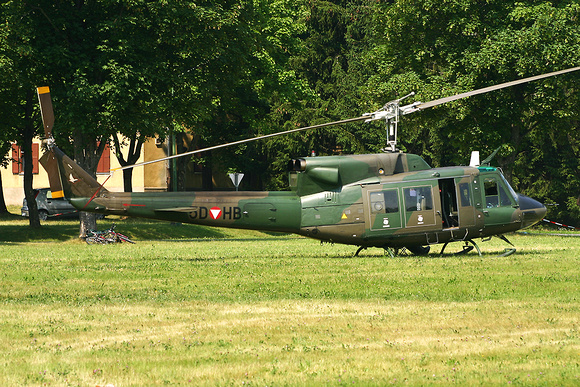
[
  {"x": 457, "y": 208},
  {"x": 384, "y": 214},
  {"x": 499, "y": 205},
  {"x": 465, "y": 200},
  {"x": 419, "y": 205}
]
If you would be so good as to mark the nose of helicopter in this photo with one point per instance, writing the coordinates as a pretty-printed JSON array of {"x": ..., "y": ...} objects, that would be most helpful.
[{"x": 532, "y": 210}]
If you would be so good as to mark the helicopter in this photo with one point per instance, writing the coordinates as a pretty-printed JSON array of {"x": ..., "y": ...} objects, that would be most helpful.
[{"x": 391, "y": 200}]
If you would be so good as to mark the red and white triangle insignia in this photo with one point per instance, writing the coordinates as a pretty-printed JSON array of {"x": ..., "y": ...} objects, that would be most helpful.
[{"x": 215, "y": 212}]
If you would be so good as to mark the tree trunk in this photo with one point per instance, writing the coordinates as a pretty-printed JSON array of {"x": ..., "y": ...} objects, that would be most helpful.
[
  {"x": 87, "y": 155},
  {"x": 207, "y": 174},
  {"x": 88, "y": 222},
  {"x": 3, "y": 209},
  {"x": 128, "y": 180},
  {"x": 28, "y": 133},
  {"x": 133, "y": 154}
]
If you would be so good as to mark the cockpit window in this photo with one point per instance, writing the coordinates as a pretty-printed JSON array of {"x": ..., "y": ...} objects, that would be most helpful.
[
  {"x": 496, "y": 194},
  {"x": 511, "y": 191}
]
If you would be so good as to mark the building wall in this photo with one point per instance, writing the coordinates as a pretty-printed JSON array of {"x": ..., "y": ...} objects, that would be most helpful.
[
  {"x": 13, "y": 184},
  {"x": 151, "y": 177},
  {"x": 155, "y": 175}
]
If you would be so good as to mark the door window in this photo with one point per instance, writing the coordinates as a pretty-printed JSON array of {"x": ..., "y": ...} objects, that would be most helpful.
[
  {"x": 418, "y": 199},
  {"x": 464, "y": 195},
  {"x": 386, "y": 202},
  {"x": 466, "y": 209},
  {"x": 384, "y": 209},
  {"x": 419, "y": 206}
]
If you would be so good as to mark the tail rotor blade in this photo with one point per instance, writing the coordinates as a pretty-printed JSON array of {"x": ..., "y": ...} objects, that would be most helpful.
[
  {"x": 49, "y": 163},
  {"x": 46, "y": 110}
]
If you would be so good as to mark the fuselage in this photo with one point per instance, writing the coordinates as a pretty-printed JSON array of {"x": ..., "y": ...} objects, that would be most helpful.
[
  {"x": 420, "y": 208},
  {"x": 435, "y": 205},
  {"x": 383, "y": 200}
]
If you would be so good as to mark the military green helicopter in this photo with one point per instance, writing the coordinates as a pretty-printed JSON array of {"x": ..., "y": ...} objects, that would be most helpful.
[{"x": 391, "y": 200}]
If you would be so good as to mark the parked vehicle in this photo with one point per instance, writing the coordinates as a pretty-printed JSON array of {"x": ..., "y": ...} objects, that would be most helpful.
[{"x": 49, "y": 206}]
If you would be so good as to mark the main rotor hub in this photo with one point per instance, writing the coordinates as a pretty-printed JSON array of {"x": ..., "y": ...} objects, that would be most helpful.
[{"x": 390, "y": 113}]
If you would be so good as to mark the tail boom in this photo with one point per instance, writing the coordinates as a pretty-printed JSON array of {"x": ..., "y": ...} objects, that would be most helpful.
[{"x": 273, "y": 211}]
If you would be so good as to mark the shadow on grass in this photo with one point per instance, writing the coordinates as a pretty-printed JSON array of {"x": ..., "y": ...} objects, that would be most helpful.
[
  {"x": 44, "y": 234},
  {"x": 15, "y": 229}
]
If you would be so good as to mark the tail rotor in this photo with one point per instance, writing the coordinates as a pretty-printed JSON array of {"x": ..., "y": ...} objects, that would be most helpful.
[{"x": 48, "y": 160}]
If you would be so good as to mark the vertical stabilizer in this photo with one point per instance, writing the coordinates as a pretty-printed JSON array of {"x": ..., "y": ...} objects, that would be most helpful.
[{"x": 76, "y": 182}]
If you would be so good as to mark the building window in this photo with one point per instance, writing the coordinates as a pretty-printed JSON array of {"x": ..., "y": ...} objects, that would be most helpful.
[
  {"x": 104, "y": 165},
  {"x": 18, "y": 159}
]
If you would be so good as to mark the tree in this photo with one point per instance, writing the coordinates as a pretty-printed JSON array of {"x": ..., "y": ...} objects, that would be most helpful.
[
  {"x": 18, "y": 105},
  {"x": 266, "y": 36},
  {"x": 135, "y": 67},
  {"x": 4, "y": 148},
  {"x": 336, "y": 37},
  {"x": 441, "y": 49},
  {"x": 7, "y": 135}
]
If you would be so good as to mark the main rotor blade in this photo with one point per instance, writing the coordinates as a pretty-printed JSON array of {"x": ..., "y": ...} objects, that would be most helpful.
[
  {"x": 46, "y": 110},
  {"x": 367, "y": 117},
  {"x": 361, "y": 118},
  {"x": 491, "y": 88}
]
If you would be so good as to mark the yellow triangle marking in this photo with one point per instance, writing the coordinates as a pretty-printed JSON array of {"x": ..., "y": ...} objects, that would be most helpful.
[{"x": 343, "y": 216}]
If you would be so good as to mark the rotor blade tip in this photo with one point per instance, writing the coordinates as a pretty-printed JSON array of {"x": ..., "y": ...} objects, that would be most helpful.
[{"x": 43, "y": 90}]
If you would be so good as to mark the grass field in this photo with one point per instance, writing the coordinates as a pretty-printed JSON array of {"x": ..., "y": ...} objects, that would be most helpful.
[{"x": 189, "y": 305}]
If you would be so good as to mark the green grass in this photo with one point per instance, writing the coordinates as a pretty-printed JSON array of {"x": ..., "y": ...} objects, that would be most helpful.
[{"x": 227, "y": 307}]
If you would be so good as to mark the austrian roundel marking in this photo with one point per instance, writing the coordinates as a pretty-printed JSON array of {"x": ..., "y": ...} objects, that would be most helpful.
[{"x": 215, "y": 212}]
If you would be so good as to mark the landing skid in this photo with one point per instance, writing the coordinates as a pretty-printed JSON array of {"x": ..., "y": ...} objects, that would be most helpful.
[
  {"x": 391, "y": 252},
  {"x": 359, "y": 250},
  {"x": 466, "y": 248},
  {"x": 507, "y": 251}
]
